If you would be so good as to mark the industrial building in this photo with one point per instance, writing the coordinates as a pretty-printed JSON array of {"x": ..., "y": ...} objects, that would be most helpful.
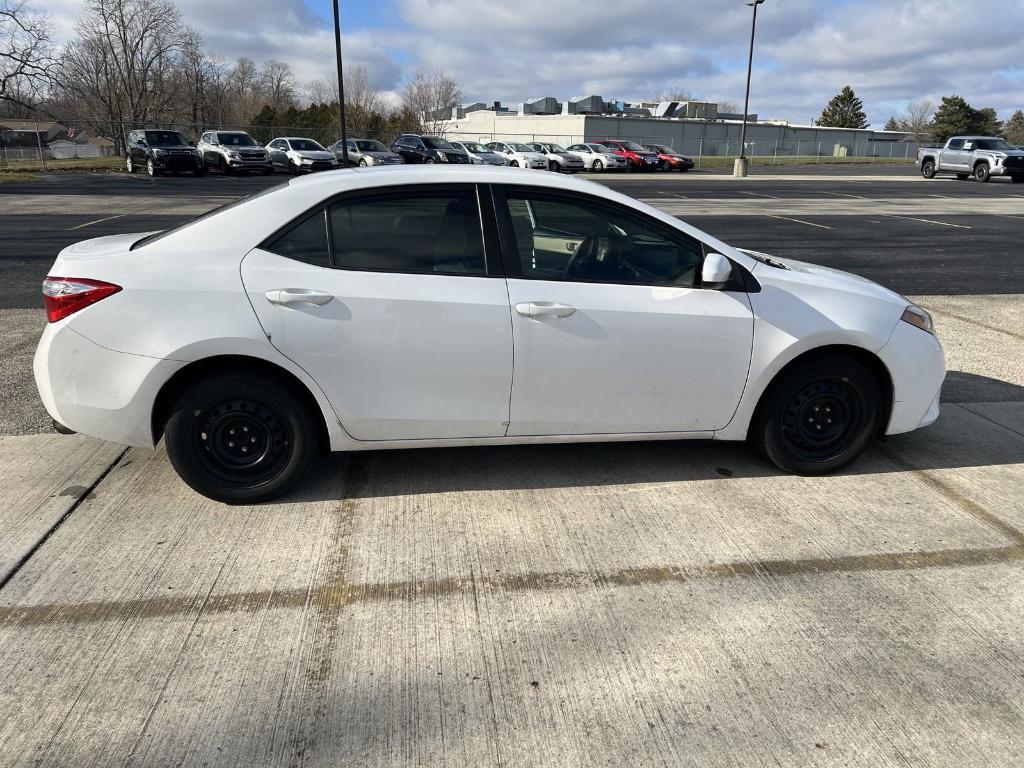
[{"x": 693, "y": 128}]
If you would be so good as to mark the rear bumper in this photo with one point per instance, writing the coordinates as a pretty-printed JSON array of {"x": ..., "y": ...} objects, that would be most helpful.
[{"x": 95, "y": 391}]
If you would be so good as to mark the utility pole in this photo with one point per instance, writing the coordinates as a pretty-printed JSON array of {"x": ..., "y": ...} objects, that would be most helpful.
[
  {"x": 341, "y": 85},
  {"x": 740, "y": 167}
]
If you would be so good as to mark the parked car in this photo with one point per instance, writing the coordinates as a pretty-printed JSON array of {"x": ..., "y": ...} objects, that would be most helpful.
[
  {"x": 519, "y": 155},
  {"x": 479, "y": 154},
  {"x": 232, "y": 151},
  {"x": 157, "y": 150},
  {"x": 365, "y": 152},
  {"x": 363, "y": 311},
  {"x": 669, "y": 159},
  {"x": 558, "y": 158},
  {"x": 298, "y": 155},
  {"x": 416, "y": 148},
  {"x": 638, "y": 158},
  {"x": 597, "y": 157},
  {"x": 979, "y": 156}
]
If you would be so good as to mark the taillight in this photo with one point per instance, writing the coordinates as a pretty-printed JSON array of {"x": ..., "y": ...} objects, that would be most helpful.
[{"x": 63, "y": 296}]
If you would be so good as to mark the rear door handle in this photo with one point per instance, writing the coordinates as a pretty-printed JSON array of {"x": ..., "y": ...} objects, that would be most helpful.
[
  {"x": 286, "y": 296},
  {"x": 544, "y": 309}
]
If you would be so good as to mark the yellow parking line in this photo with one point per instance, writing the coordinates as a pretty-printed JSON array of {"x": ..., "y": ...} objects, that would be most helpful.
[
  {"x": 801, "y": 221},
  {"x": 929, "y": 221},
  {"x": 90, "y": 223}
]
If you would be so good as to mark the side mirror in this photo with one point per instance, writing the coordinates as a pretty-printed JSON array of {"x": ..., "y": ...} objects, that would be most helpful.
[{"x": 716, "y": 271}]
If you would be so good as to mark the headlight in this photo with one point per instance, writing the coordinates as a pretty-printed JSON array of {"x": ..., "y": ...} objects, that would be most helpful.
[
  {"x": 232, "y": 153},
  {"x": 918, "y": 317},
  {"x": 442, "y": 157},
  {"x": 159, "y": 152}
]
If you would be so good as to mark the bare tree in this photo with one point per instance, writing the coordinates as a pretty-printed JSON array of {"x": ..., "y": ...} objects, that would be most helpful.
[
  {"x": 729, "y": 107},
  {"x": 278, "y": 85},
  {"x": 244, "y": 92},
  {"x": 25, "y": 54},
  {"x": 917, "y": 120},
  {"x": 431, "y": 94},
  {"x": 677, "y": 94}
]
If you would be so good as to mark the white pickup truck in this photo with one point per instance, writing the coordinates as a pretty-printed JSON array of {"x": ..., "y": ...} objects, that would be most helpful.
[{"x": 979, "y": 156}]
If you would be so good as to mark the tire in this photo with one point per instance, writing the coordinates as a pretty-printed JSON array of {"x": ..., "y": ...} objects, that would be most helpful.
[
  {"x": 514, "y": 163},
  {"x": 151, "y": 169},
  {"x": 1017, "y": 179},
  {"x": 982, "y": 172},
  {"x": 818, "y": 416},
  {"x": 200, "y": 171},
  {"x": 597, "y": 167},
  {"x": 202, "y": 438},
  {"x": 555, "y": 166},
  {"x": 225, "y": 168},
  {"x": 963, "y": 176},
  {"x": 129, "y": 166},
  {"x": 293, "y": 169},
  {"x": 429, "y": 161},
  {"x": 362, "y": 162},
  {"x": 928, "y": 169},
  {"x": 664, "y": 165}
]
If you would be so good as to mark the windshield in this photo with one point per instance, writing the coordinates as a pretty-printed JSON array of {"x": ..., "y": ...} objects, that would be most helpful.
[
  {"x": 236, "y": 139},
  {"x": 601, "y": 148},
  {"x": 435, "y": 143},
  {"x": 370, "y": 145},
  {"x": 632, "y": 146},
  {"x": 997, "y": 144},
  {"x": 306, "y": 145},
  {"x": 165, "y": 139},
  {"x": 522, "y": 148},
  {"x": 556, "y": 149},
  {"x": 477, "y": 149}
]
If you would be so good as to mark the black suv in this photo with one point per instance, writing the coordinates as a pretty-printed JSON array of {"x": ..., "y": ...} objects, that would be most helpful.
[
  {"x": 158, "y": 150},
  {"x": 415, "y": 148}
]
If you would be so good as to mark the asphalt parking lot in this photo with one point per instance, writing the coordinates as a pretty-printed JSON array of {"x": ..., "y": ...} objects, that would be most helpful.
[{"x": 622, "y": 604}]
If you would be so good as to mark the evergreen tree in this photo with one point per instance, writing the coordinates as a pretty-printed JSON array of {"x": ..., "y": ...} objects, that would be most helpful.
[
  {"x": 955, "y": 117},
  {"x": 893, "y": 124},
  {"x": 1014, "y": 128},
  {"x": 844, "y": 111},
  {"x": 989, "y": 123}
]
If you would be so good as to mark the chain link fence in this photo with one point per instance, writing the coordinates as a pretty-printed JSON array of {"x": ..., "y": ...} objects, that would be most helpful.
[{"x": 96, "y": 144}]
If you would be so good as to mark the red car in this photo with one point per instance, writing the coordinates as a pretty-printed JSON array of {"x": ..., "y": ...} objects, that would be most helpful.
[
  {"x": 669, "y": 159},
  {"x": 638, "y": 157}
]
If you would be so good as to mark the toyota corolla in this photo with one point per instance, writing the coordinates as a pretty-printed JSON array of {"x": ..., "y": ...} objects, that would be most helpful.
[{"x": 403, "y": 307}]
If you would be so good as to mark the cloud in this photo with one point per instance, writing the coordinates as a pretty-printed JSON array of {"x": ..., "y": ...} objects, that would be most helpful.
[{"x": 889, "y": 51}]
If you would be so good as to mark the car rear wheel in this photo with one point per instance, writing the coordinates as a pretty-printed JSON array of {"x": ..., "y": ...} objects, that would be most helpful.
[
  {"x": 818, "y": 416},
  {"x": 982, "y": 172},
  {"x": 598, "y": 166},
  {"x": 928, "y": 169},
  {"x": 240, "y": 439}
]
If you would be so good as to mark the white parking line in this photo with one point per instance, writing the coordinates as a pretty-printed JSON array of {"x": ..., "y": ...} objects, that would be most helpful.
[
  {"x": 801, "y": 221},
  {"x": 673, "y": 194},
  {"x": 90, "y": 223},
  {"x": 759, "y": 194},
  {"x": 929, "y": 221},
  {"x": 843, "y": 194}
]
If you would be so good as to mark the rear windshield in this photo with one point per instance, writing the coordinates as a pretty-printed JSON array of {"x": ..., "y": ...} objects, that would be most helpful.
[
  {"x": 236, "y": 139},
  {"x": 219, "y": 209},
  {"x": 165, "y": 139}
]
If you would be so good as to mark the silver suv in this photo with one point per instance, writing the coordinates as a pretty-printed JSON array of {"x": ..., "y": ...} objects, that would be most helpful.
[
  {"x": 231, "y": 151},
  {"x": 559, "y": 158}
]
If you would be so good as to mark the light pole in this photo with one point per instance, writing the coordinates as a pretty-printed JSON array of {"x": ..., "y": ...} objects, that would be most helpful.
[
  {"x": 341, "y": 85},
  {"x": 740, "y": 167}
]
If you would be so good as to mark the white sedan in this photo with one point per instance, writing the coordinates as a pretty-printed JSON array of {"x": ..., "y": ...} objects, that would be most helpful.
[
  {"x": 519, "y": 155},
  {"x": 395, "y": 308}
]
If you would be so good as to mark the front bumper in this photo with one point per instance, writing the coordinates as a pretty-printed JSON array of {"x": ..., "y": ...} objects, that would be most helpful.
[
  {"x": 917, "y": 365},
  {"x": 95, "y": 391},
  {"x": 242, "y": 164},
  {"x": 189, "y": 162}
]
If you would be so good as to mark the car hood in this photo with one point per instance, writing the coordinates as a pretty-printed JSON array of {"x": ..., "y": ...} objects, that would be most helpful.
[{"x": 813, "y": 275}]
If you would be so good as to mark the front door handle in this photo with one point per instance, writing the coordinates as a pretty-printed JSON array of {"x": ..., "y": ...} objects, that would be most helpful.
[
  {"x": 286, "y": 296},
  {"x": 544, "y": 309}
]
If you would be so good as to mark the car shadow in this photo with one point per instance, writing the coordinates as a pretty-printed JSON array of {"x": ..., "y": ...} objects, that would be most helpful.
[{"x": 962, "y": 437}]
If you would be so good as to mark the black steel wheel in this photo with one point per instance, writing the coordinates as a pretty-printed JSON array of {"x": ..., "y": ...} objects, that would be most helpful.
[
  {"x": 928, "y": 169},
  {"x": 819, "y": 415},
  {"x": 982, "y": 172},
  {"x": 240, "y": 439}
]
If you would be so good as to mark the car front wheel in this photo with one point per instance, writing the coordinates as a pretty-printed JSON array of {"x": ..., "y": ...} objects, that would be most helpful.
[
  {"x": 151, "y": 168},
  {"x": 240, "y": 439},
  {"x": 598, "y": 166},
  {"x": 818, "y": 416},
  {"x": 928, "y": 169},
  {"x": 982, "y": 172}
]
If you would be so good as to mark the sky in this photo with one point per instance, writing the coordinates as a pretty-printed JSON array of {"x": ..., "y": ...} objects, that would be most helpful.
[{"x": 890, "y": 51}]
